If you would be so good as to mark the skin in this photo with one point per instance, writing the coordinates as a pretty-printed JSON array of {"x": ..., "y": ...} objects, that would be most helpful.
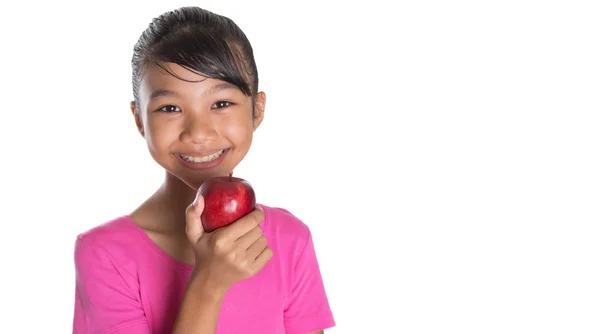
[
  {"x": 197, "y": 127},
  {"x": 197, "y": 119}
]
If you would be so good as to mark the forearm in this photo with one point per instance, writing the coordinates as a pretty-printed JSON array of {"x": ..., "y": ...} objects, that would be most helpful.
[{"x": 200, "y": 307}]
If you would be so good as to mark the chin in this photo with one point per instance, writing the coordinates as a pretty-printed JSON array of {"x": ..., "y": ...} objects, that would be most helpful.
[{"x": 195, "y": 180}]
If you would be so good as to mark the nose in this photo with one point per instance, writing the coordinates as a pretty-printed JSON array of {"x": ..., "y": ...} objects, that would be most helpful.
[{"x": 199, "y": 129}]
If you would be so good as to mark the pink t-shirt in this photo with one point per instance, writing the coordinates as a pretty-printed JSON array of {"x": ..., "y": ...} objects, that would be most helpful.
[{"x": 126, "y": 284}]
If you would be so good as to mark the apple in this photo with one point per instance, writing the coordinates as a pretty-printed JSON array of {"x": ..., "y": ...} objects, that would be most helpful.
[{"x": 226, "y": 199}]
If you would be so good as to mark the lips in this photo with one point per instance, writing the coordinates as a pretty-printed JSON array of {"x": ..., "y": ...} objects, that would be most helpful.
[{"x": 201, "y": 159}]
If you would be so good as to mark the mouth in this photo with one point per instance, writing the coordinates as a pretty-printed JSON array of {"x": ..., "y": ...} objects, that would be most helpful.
[
  {"x": 202, "y": 159},
  {"x": 200, "y": 162}
]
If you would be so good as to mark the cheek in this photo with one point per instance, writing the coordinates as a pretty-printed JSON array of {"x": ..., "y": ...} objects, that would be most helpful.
[
  {"x": 159, "y": 135},
  {"x": 237, "y": 129}
]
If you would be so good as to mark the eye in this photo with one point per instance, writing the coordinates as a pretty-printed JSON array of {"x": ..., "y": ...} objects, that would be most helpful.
[
  {"x": 221, "y": 104},
  {"x": 170, "y": 108}
]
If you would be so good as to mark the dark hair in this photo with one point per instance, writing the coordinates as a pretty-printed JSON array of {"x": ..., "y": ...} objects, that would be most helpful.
[{"x": 203, "y": 42}]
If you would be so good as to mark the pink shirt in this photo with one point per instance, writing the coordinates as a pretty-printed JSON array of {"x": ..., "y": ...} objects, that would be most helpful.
[{"x": 126, "y": 284}]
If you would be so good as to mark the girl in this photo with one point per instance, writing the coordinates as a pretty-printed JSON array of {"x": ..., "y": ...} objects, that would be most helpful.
[{"x": 197, "y": 104}]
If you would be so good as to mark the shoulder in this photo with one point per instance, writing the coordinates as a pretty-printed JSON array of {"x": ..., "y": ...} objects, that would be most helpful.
[
  {"x": 285, "y": 230},
  {"x": 110, "y": 240},
  {"x": 284, "y": 222},
  {"x": 115, "y": 231}
]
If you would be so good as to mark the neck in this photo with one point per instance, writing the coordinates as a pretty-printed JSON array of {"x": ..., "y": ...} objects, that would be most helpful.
[
  {"x": 170, "y": 202},
  {"x": 177, "y": 194}
]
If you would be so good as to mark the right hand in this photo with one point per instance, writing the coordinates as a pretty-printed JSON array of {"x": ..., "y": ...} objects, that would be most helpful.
[{"x": 229, "y": 254}]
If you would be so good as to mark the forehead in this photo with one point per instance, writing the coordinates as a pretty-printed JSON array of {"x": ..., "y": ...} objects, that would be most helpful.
[{"x": 180, "y": 79}]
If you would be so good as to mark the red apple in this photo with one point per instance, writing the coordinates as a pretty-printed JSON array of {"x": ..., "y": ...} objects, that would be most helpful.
[{"x": 226, "y": 199}]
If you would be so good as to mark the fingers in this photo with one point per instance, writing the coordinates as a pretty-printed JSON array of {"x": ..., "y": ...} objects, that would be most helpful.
[
  {"x": 244, "y": 224},
  {"x": 263, "y": 257},
  {"x": 193, "y": 226},
  {"x": 246, "y": 240},
  {"x": 257, "y": 247}
]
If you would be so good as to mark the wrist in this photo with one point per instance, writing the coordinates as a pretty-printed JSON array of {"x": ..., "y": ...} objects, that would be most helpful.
[{"x": 206, "y": 288}]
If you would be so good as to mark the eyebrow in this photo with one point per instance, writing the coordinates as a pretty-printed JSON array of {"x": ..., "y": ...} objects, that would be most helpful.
[
  {"x": 222, "y": 86},
  {"x": 162, "y": 92},
  {"x": 212, "y": 90}
]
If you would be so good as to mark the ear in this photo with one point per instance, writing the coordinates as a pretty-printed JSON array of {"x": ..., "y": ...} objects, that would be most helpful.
[
  {"x": 136, "y": 116},
  {"x": 259, "y": 109}
]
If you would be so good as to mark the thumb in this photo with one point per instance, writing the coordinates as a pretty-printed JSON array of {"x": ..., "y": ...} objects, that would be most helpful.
[{"x": 193, "y": 224}]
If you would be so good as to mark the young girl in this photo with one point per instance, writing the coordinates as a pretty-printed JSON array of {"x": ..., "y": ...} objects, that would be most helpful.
[{"x": 197, "y": 104}]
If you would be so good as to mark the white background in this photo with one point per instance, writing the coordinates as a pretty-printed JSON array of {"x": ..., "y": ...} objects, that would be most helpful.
[{"x": 445, "y": 154}]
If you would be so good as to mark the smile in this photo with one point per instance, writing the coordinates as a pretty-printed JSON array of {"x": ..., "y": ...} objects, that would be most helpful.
[{"x": 203, "y": 159}]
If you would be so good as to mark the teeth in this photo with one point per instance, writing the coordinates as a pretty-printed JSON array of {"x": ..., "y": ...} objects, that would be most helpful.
[{"x": 207, "y": 158}]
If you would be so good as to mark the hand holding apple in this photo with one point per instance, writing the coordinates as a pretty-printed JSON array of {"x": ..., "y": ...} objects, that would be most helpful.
[{"x": 216, "y": 234}]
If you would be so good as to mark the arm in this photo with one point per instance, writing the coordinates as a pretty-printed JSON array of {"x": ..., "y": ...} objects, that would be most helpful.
[
  {"x": 200, "y": 307},
  {"x": 104, "y": 301}
]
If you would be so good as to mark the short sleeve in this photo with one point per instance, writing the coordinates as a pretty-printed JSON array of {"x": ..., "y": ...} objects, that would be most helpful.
[
  {"x": 104, "y": 303},
  {"x": 308, "y": 308}
]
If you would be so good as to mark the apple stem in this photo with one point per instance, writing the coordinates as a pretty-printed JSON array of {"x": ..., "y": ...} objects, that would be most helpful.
[{"x": 230, "y": 175}]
